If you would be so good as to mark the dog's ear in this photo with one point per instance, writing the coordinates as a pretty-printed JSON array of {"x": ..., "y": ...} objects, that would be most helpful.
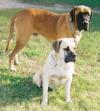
[
  {"x": 56, "y": 45},
  {"x": 91, "y": 15},
  {"x": 72, "y": 14}
]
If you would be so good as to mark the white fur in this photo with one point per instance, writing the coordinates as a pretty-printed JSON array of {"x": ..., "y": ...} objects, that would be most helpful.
[{"x": 56, "y": 72}]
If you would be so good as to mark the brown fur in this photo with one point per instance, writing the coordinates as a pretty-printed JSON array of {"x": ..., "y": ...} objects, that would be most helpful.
[{"x": 27, "y": 22}]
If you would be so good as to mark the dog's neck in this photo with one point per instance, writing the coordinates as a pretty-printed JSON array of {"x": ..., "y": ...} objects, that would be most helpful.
[
  {"x": 57, "y": 60},
  {"x": 77, "y": 36}
]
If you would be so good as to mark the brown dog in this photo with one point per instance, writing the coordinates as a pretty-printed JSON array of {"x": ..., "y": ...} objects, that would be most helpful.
[{"x": 51, "y": 25}]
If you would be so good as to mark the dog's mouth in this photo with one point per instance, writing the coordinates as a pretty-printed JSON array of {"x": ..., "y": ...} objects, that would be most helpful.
[
  {"x": 70, "y": 57},
  {"x": 86, "y": 25},
  {"x": 83, "y": 25}
]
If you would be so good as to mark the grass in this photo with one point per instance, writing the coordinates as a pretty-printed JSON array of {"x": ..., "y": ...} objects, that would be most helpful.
[
  {"x": 18, "y": 93},
  {"x": 92, "y": 3}
]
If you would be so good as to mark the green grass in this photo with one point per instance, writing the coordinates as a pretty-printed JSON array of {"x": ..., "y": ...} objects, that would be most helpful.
[
  {"x": 18, "y": 93},
  {"x": 92, "y": 3}
]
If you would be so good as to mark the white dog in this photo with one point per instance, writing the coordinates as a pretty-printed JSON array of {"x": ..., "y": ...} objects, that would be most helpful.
[{"x": 58, "y": 68}]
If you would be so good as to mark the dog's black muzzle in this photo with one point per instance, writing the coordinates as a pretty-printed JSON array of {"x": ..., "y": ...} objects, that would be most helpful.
[
  {"x": 83, "y": 25},
  {"x": 83, "y": 21},
  {"x": 86, "y": 25},
  {"x": 70, "y": 57}
]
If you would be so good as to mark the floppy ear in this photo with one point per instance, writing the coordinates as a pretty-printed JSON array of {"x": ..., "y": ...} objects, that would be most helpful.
[
  {"x": 91, "y": 15},
  {"x": 56, "y": 45},
  {"x": 72, "y": 14}
]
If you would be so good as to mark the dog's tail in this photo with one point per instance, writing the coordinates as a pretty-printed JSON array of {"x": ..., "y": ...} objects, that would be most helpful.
[{"x": 11, "y": 33}]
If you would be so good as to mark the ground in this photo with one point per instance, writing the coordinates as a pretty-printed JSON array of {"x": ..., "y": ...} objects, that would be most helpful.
[{"x": 17, "y": 91}]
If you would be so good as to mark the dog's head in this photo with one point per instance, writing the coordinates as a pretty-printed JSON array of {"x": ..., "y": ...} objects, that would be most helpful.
[
  {"x": 65, "y": 48},
  {"x": 81, "y": 17}
]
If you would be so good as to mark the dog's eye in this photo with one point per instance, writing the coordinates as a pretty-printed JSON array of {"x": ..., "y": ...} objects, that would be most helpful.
[
  {"x": 86, "y": 14},
  {"x": 66, "y": 49}
]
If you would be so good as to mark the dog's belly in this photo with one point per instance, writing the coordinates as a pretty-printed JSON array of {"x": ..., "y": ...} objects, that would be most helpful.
[
  {"x": 58, "y": 76},
  {"x": 55, "y": 81}
]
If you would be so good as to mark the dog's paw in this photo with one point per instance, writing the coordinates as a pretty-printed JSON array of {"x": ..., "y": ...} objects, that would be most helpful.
[
  {"x": 13, "y": 69},
  {"x": 44, "y": 104},
  {"x": 37, "y": 80},
  {"x": 68, "y": 100},
  {"x": 75, "y": 74}
]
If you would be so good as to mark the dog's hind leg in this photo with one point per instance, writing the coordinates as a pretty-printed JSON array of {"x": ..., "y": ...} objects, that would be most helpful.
[
  {"x": 19, "y": 45},
  {"x": 16, "y": 62},
  {"x": 11, "y": 33},
  {"x": 37, "y": 79}
]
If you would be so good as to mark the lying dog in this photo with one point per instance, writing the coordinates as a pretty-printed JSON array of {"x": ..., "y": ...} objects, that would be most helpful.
[
  {"x": 51, "y": 25},
  {"x": 58, "y": 68}
]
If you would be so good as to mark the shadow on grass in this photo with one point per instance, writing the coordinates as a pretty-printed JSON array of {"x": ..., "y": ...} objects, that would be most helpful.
[{"x": 16, "y": 89}]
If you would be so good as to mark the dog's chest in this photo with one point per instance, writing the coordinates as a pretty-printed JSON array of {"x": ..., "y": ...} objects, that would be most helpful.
[
  {"x": 62, "y": 71},
  {"x": 78, "y": 36},
  {"x": 57, "y": 78}
]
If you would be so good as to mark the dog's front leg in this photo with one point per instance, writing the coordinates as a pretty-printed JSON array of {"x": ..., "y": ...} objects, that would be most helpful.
[
  {"x": 45, "y": 90},
  {"x": 67, "y": 89}
]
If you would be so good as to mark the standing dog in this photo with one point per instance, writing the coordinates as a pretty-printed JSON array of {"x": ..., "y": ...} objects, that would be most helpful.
[
  {"x": 51, "y": 25},
  {"x": 58, "y": 68}
]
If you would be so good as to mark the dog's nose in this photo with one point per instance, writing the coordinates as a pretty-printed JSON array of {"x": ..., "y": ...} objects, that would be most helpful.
[
  {"x": 71, "y": 57},
  {"x": 72, "y": 54},
  {"x": 86, "y": 25}
]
